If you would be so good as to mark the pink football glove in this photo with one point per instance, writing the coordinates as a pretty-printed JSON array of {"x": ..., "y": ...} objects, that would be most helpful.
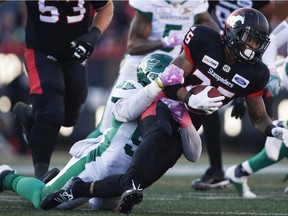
[
  {"x": 172, "y": 40},
  {"x": 171, "y": 76},
  {"x": 179, "y": 113}
]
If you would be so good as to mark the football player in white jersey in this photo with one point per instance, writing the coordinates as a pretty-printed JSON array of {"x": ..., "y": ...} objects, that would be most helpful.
[
  {"x": 94, "y": 159},
  {"x": 274, "y": 150},
  {"x": 157, "y": 26}
]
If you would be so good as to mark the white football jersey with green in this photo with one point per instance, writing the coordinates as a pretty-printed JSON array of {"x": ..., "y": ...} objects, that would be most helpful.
[{"x": 168, "y": 17}]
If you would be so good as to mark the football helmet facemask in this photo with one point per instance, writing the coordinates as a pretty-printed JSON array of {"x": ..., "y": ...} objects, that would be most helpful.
[
  {"x": 246, "y": 32},
  {"x": 151, "y": 66}
]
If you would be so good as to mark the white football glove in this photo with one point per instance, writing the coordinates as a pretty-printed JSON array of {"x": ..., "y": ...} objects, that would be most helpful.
[
  {"x": 281, "y": 133},
  {"x": 274, "y": 85},
  {"x": 202, "y": 102}
]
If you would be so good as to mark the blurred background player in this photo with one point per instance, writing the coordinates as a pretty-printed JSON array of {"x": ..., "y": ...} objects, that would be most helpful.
[
  {"x": 59, "y": 40},
  {"x": 214, "y": 175},
  {"x": 157, "y": 26},
  {"x": 274, "y": 150}
]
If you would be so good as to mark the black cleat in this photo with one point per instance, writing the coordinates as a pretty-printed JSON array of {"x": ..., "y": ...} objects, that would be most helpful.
[
  {"x": 48, "y": 176},
  {"x": 24, "y": 116},
  {"x": 130, "y": 198},
  {"x": 65, "y": 194},
  {"x": 4, "y": 171},
  {"x": 212, "y": 178}
]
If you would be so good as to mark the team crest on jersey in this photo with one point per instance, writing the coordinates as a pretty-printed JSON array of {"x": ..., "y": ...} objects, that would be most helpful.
[
  {"x": 226, "y": 68},
  {"x": 211, "y": 62},
  {"x": 126, "y": 85},
  {"x": 241, "y": 81}
]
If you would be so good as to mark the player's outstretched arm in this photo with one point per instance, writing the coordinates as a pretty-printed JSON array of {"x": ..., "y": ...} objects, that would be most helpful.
[
  {"x": 129, "y": 109},
  {"x": 262, "y": 122}
]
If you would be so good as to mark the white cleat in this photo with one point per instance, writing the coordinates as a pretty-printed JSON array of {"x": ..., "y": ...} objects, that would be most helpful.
[{"x": 4, "y": 171}]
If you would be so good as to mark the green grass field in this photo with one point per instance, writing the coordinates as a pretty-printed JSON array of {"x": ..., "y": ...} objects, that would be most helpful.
[{"x": 172, "y": 194}]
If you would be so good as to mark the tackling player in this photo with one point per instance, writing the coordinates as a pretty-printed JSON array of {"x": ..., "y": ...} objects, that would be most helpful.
[{"x": 94, "y": 159}]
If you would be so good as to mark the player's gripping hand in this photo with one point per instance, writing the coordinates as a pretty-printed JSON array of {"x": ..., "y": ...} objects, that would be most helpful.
[
  {"x": 172, "y": 40},
  {"x": 179, "y": 113},
  {"x": 172, "y": 75},
  {"x": 239, "y": 108},
  {"x": 84, "y": 45},
  {"x": 274, "y": 84},
  {"x": 281, "y": 133},
  {"x": 202, "y": 101}
]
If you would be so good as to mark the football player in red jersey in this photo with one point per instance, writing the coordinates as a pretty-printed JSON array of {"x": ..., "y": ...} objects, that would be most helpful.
[
  {"x": 58, "y": 42},
  {"x": 231, "y": 64},
  {"x": 214, "y": 175}
]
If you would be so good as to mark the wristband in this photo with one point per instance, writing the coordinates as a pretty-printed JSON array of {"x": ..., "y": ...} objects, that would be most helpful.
[
  {"x": 268, "y": 130},
  {"x": 186, "y": 99},
  {"x": 95, "y": 31},
  {"x": 159, "y": 83}
]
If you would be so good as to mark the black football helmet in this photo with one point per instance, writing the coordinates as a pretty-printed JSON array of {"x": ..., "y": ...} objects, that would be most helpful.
[{"x": 246, "y": 32}]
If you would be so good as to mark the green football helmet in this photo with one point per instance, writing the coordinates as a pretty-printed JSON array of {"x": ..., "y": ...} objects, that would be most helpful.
[{"x": 150, "y": 67}]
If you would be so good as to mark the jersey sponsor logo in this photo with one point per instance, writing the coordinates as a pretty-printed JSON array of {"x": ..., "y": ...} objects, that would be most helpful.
[
  {"x": 241, "y": 81},
  {"x": 234, "y": 19},
  {"x": 165, "y": 13},
  {"x": 219, "y": 78},
  {"x": 245, "y": 3},
  {"x": 226, "y": 68},
  {"x": 186, "y": 10},
  {"x": 163, "y": 10},
  {"x": 211, "y": 62}
]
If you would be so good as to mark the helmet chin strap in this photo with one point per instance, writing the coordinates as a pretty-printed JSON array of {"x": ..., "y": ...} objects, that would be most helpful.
[{"x": 247, "y": 54}]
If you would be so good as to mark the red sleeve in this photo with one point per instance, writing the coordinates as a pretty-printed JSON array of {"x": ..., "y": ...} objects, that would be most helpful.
[
  {"x": 187, "y": 53},
  {"x": 255, "y": 94}
]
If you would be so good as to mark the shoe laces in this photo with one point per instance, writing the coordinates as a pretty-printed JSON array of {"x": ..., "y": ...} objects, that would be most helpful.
[
  {"x": 64, "y": 197},
  {"x": 136, "y": 188}
]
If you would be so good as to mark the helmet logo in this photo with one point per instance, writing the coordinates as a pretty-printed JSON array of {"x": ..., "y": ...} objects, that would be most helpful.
[
  {"x": 149, "y": 64},
  {"x": 234, "y": 19}
]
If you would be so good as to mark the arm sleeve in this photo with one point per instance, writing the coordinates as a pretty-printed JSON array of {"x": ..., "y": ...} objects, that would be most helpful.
[
  {"x": 131, "y": 108},
  {"x": 191, "y": 143}
]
